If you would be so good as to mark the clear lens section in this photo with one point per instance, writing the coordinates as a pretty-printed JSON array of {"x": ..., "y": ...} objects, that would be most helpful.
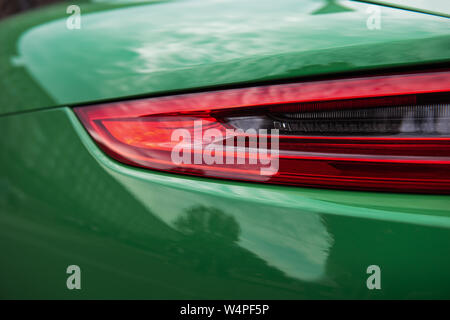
[{"x": 401, "y": 121}]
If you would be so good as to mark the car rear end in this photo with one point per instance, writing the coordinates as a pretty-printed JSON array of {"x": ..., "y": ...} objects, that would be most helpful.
[{"x": 121, "y": 155}]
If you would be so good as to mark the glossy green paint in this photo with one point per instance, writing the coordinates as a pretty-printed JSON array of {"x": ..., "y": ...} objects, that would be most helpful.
[
  {"x": 182, "y": 45},
  {"x": 19, "y": 90},
  {"x": 143, "y": 234}
]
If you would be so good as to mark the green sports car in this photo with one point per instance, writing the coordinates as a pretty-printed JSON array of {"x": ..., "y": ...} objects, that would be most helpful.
[{"x": 225, "y": 149}]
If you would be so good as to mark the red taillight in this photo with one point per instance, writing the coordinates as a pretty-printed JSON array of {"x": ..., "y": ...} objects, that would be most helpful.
[{"x": 388, "y": 133}]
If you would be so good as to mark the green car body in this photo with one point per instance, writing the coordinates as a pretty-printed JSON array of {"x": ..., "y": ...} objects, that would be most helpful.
[{"x": 137, "y": 233}]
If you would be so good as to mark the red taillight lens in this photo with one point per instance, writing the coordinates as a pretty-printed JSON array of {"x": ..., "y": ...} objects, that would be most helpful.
[{"x": 389, "y": 133}]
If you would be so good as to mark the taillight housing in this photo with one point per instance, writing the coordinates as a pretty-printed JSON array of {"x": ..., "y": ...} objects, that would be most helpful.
[{"x": 384, "y": 133}]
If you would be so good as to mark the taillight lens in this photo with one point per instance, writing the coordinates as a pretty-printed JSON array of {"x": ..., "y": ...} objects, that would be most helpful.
[{"x": 387, "y": 133}]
